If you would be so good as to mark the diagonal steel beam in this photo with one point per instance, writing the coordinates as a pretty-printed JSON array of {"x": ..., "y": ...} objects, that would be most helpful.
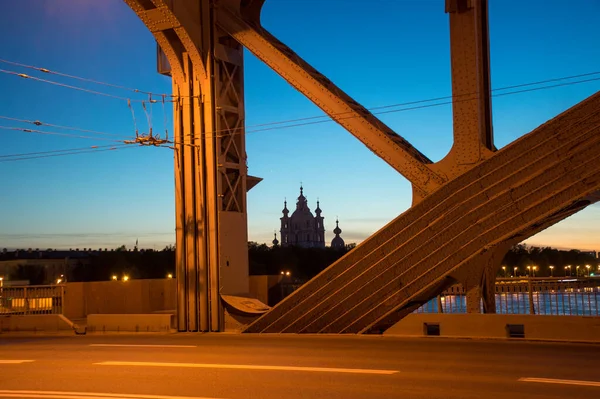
[{"x": 378, "y": 137}]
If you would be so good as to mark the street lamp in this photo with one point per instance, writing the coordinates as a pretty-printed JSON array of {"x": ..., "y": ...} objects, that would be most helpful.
[
  {"x": 534, "y": 269},
  {"x": 287, "y": 273},
  {"x": 515, "y": 269},
  {"x": 114, "y": 277},
  {"x": 529, "y": 271},
  {"x": 588, "y": 267},
  {"x": 125, "y": 277},
  {"x": 577, "y": 271},
  {"x": 551, "y": 271},
  {"x": 169, "y": 275},
  {"x": 504, "y": 268}
]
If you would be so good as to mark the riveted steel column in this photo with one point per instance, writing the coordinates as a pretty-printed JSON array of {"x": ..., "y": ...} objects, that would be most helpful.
[
  {"x": 190, "y": 255},
  {"x": 206, "y": 65},
  {"x": 471, "y": 100}
]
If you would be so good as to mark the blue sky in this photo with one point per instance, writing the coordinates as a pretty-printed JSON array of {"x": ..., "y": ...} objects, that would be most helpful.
[{"x": 388, "y": 52}]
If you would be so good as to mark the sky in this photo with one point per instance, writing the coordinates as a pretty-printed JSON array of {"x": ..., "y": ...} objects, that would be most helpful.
[{"x": 380, "y": 52}]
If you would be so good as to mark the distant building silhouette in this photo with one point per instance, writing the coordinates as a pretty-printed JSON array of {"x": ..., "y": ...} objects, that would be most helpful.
[
  {"x": 302, "y": 228},
  {"x": 337, "y": 242}
]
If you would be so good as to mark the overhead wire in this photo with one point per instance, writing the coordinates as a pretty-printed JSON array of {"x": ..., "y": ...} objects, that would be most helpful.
[
  {"x": 94, "y": 81},
  {"x": 416, "y": 106},
  {"x": 93, "y": 147},
  {"x": 100, "y": 93},
  {"x": 40, "y": 123},
  {"x": 112, "y": 148},
  {"x": 404, "y": 104},
  {"x": 308, "y": 120},
  {"x": 150, "y": 94},
  {"x": 36, "y": 131}
]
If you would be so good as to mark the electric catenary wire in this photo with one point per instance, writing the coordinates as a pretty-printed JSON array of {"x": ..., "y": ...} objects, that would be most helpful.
[
  {"x": 40, "y": 123},
  {"x": 36, "y": 131},
  {"x": 100, "y": 93},
  {"x": 407, "y": 108},
  {"x": 93, "y": 147},
  {"x": 98, "y": 82},
  {"x": 404, "y": 104},
  {"x": 113, "y": 148},
  {"x": 150, "y": 94}
]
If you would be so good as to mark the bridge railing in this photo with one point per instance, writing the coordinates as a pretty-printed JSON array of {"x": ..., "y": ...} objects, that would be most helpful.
[
  {"x": 29, "y": 300},
  {"x": 543, "y": 296}
]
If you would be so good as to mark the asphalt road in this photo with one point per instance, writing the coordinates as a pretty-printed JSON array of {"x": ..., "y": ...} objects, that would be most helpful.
[{"x": 273, "y": 366}]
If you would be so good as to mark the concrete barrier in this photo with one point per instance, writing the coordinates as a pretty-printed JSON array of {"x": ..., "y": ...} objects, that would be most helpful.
[
  {"x": 119, "y": 297},
  {"x": 530, "y": 327},
  {"x": 130, "y": 322},
  {"x": 35, "y": 323}
]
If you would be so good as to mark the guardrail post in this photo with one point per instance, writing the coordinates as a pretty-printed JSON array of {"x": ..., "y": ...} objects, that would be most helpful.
[
  {"x": 25, "y": 301},
  {"x": 62, "y": 299},
  {"x": 530, "y": 290}
]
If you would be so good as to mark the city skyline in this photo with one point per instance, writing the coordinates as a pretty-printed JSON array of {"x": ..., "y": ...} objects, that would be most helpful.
[{"x": 114, "y": 197}]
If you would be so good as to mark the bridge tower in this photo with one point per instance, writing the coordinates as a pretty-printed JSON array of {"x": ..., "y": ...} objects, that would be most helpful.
[{"x": 211, "y": 181}]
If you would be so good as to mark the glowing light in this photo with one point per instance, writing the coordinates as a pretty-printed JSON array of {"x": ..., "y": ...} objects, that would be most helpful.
[
  {"x": 114, "y": 278},
  {"x": 287, "y": 273},
  {"x": 169, "y": 275},
  {"x": 125, "y": 278}
]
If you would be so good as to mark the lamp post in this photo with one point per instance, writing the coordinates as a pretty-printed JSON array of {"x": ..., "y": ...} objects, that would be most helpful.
[
  {"x": 504, "y": 269},
  {"x": 515, "y": 269},
  {"x": 551, "y": 271},
  {"x": 588, "y": 269},
  {"x": 577, "y": 271},
  {"x": 529, "y": 271},
  {"x": 534, "y": 269}
]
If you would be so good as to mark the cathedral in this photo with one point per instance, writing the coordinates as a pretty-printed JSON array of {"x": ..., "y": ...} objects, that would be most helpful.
[{"x": 303, "y": 229}]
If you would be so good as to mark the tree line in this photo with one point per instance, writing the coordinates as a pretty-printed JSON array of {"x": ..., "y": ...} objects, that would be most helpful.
[{"x": 301, "y": 263}]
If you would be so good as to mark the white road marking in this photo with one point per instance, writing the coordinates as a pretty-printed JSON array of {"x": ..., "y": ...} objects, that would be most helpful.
[
  {"x": 145, "y": 346},
  {"x": 564, "y": 382},
  {"x": 85, "y": 395},
  {"x": 15, "y": 361},
  {"x": 250, "y": 367}
]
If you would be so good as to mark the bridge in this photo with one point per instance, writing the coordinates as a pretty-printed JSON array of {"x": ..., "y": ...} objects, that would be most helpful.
[{"x": 468, "y": 208}]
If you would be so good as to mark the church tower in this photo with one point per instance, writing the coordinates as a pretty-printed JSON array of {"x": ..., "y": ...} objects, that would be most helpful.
[
  {"x": 285, "y": 226},
  {"x": 337, "y": 242},
  {"x": 319, "y": 227}
]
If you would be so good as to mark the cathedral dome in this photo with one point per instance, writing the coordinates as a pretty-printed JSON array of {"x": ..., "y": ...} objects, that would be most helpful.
[{"x": 302, "y": 228}]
